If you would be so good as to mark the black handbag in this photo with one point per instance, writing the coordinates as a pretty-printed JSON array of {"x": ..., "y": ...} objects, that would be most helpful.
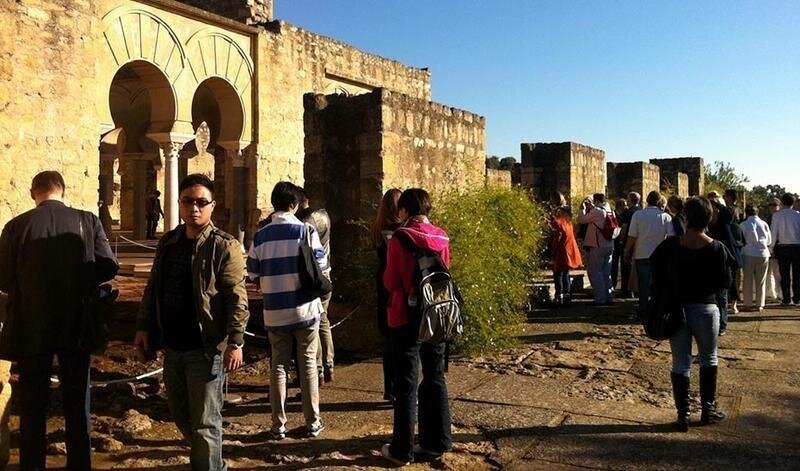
[
  {"x": 314, "y": 283},
  {"x": 665, "y": 315},
  {"x": 97, "y": 301}
]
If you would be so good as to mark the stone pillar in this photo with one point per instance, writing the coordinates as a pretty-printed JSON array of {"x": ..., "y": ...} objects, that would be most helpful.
[
  {"x": 236, "y": 193},
  {"x": 106, "y": 189},
  {"x": 170, "y": 144},
  {"x": 141, "y": 162}
]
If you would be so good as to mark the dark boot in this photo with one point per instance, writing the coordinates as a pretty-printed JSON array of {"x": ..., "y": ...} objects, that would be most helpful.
[
  {"x": 680, "y": 392},
  {"x": 708, "y": 392}
]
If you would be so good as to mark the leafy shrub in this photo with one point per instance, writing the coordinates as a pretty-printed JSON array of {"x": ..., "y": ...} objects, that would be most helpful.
[{"x": 496, "y": 237}]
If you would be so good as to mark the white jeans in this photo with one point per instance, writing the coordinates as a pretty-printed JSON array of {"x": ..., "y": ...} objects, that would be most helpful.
[
  {"x": 774, "y": 280},
  {"x": 755, "y": 276}
]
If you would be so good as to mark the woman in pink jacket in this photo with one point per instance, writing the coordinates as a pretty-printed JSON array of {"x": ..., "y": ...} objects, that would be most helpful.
[{"x": 403, "y": 319}]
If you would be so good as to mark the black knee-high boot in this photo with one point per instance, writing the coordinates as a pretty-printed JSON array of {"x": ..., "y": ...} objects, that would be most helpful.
[
  {"x": 680, "y": 392},
  {"x": 708, "y": 393}
]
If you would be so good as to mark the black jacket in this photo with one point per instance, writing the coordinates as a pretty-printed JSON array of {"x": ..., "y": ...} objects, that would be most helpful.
[{"x": 45, "y": 268}]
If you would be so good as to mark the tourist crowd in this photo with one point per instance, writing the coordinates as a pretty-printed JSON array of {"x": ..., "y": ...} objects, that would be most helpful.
[
  {"x": 195, "y": 311},
  {"x": 195, "y": 305},
  {"x": 705, "y": 253}
]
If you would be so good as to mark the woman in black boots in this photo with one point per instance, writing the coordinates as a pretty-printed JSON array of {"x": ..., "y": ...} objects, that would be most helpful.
[{"x": 699, "y": 267}]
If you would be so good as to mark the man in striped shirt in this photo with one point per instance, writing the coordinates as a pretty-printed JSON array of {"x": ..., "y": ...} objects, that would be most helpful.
[{"x": 289, "y": 314}]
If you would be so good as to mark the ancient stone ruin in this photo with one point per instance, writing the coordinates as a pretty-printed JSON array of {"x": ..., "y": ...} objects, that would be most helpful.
[
  {"x": 575, "y": 170},
  {"x": 625, "y": 177}
]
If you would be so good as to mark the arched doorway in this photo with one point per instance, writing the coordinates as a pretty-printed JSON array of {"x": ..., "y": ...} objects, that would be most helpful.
[
  {"x": 142, "y": 102},
  {"x": 217, "y": 104}
]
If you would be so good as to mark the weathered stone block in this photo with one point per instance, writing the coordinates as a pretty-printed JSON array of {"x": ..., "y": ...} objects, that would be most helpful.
[
  {"x": 625, "y": 177},
  {"x": 692, "y": 166},
  {"x": 573, "y": 169}
]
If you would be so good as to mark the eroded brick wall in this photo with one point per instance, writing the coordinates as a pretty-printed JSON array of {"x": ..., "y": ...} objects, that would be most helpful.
[
  {"x": 575, "y": 170},
  {"x": 624, "y": 177},
  {"x": 693, "y": 167},
  {"x": 247, "y": 11},
  {"x": 498, "y": 178},
  {"x": 47, "y": 115}
]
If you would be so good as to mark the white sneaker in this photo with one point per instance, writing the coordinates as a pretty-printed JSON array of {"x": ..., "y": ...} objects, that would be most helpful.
[{"x": 388, "y": 455}]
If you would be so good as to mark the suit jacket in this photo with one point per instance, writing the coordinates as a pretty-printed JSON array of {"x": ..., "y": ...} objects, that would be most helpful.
[{"x": 49, "y": 256}]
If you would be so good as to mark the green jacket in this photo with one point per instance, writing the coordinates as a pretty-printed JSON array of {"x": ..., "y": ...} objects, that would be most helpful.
[{"x": 218, "y": 272}]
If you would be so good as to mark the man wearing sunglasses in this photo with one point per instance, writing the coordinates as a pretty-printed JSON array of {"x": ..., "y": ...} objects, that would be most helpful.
[{"x": 195, "y": 309}]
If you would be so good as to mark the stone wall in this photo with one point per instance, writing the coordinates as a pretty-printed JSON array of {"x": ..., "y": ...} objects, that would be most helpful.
[
  {"x": 573, "y": 169},
  {"x": 693, "y": 167},
  {"x": 47, "y": 117},
  {"x": 625, "y": 177},
  {"x": 294, "y": 62},
  {"x": 358, "y": 147},
  {"x": 682, "y": 188},
  {"x": 498, "y": 178},
  {"x": 251, "y": 12}
]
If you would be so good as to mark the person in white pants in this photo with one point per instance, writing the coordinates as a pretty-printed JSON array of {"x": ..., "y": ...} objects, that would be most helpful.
[
  {"x": 774, "y": 273},
  {"x": 757, "y": 238}
]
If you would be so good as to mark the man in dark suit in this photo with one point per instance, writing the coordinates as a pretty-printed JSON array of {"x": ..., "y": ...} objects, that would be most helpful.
[{"x": 49, "y": 256}]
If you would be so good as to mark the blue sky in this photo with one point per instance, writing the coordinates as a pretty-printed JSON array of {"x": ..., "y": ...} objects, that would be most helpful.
[{"x": 638, "y": 79}]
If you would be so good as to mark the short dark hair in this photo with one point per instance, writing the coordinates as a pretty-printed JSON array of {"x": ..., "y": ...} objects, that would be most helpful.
[
  {"x": 599, "y": 198},
  {"x": 675, "y": 202},
  {"x": 750, "y": 210},
  {"x": 653, "y": 197},
  {"x": 698, "y": 212},
  {"x": 284, "y": 196},
  {"x": 415, "y": 201},
  {"x": 48, "y": 182},
  {"x": 635, "y": 197},
  {"x": 732, "y": 194},
  {"x": 196, "y": 179},
  {"x": 787, "y": 199}
]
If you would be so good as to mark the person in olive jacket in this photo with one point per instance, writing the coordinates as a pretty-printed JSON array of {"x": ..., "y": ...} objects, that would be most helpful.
[{"x": 195, "y": 309}]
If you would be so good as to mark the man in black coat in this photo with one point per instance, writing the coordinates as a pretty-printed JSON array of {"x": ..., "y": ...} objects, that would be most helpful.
[{"x": 48, "y": 257}]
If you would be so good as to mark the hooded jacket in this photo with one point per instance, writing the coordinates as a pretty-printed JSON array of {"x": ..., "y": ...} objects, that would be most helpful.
[{"x": 401, "y": 264}]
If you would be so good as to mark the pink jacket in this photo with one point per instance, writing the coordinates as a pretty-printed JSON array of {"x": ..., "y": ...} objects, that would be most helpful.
[{"x": 400, "y": 265}]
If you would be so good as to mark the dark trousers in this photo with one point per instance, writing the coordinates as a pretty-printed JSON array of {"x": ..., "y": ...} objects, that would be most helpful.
[
  {"x": 434, "y": 410},
  {"x": 625, "y": 275},
  {"x": 388, "y": 379},
  {"x": 789, "y": 265},
  {"x": 34, "y": 390},
  {"x": 561, "y": 280},
  {"x": 152, "y": 225},
  {"x": 616, "y": 260}
]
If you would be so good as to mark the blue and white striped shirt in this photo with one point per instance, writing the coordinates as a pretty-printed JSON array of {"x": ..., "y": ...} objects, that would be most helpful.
[{"x": 273, "y": 261}]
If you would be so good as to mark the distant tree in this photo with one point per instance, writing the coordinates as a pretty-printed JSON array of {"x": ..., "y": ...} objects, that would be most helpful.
[
  {"x": 760, "y": 194},
  {"x": 721, "y": 175},
  {"x": 507, "y": 163},
  {"x": 493, "y": 162}
]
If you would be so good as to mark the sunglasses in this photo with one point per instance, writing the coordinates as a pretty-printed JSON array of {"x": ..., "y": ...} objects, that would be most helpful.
[{"x": 199, "y": 202}]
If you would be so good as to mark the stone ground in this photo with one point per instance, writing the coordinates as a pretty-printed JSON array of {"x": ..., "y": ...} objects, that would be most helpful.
[{"x": 584, "y": 389}]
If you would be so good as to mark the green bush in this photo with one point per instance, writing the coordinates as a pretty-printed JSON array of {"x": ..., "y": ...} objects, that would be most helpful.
[{"x": 496, "y": 239}]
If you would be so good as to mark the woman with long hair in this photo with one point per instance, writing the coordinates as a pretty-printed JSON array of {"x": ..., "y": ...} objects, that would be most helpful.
[
  {"x": 692, "y": 269},
  {"x": 384, "y": 225}
]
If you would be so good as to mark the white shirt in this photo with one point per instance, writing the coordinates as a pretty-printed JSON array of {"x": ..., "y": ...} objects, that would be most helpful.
[
  {"x": 786, "y": 227},
  {"x": 595, "y": 220},
  {"x": 757, "y": 237},
  {"x": 650, "y": 226}
]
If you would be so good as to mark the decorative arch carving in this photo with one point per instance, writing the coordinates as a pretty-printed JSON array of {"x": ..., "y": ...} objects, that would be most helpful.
[
  {"x": 135, "y": 34},
  {"x": 214, "y": 54}
]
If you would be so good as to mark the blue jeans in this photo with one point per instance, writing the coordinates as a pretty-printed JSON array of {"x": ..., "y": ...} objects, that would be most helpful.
[
  {"x": 561, "y": 280},
  {"x": 33, "y": 392},
  {"x": 722, "y": 305},
  {"x": 435, "y": 432},
  {"x": 644, "y": 277},
  {"x": 702, "y": 324},
  {"x": 600, "y": 273},
  {"x": 194, "y": 381}
]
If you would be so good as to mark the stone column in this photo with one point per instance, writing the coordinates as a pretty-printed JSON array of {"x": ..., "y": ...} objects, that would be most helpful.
[
  {"x": 106, "y": 191},
  {"x": 237, "y": 191},
  {"x": 170, "y": 144}
]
